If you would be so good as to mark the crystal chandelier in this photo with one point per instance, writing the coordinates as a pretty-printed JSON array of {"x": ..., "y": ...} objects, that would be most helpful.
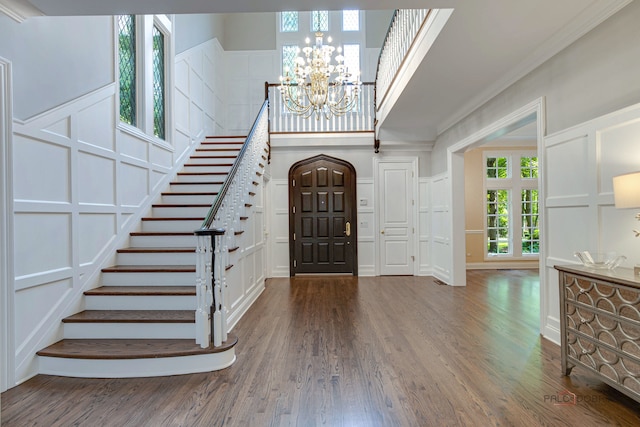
[{"x": 315, "y": 85}]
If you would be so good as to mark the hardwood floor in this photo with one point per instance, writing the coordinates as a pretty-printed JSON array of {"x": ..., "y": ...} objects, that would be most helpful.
[{"x": 345, "y": 351}]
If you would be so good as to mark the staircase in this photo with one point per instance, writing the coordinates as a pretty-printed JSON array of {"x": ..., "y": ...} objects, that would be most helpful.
[{"x": 141, "y": 320}]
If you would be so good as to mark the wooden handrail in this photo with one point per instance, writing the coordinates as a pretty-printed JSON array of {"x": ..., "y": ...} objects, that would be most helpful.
[{"x": 206, "y": 224}]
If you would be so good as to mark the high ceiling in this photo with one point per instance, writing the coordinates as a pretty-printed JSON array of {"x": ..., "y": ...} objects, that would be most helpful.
[{"x": 485, "y": 46}]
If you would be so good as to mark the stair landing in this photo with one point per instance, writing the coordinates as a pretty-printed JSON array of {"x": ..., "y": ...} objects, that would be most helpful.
[{"x": 121, "y": 358}]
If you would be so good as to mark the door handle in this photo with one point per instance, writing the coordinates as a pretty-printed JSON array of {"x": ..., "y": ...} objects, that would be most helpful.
[
  {"x": 382, "y": 232},
  {"x": 347, "y": 230}
]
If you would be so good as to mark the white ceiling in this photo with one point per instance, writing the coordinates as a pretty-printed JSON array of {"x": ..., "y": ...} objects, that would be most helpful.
[{"x": 485, "y": 46}]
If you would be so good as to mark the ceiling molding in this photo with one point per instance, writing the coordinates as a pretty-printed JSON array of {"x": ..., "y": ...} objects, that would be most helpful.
[
  {"x": 587, "y": 20},
  {"x": 19, "y": 10}
]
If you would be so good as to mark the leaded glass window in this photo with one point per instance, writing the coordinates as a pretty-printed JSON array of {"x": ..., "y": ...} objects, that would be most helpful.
[
  {"x": 350, "y": 20},
  {"x": 289, "y": 55},
  {"x": 158, "y": 83},
  {"x": 289, "y": 22},
  {"x": 127, "y": 62},
  {"x": 320, "y": 20}
]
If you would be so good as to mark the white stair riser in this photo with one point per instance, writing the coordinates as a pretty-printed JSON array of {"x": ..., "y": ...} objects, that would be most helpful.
[
  {"x": 152, "y": 279},
  {"x": 231, "y": 143},
  {"x": 172, "y": 226},
  {"x": 134, "y": 302},
  {"x": 200, "y": 177},
  {"x": 217, "y": 151},
  {"x": 180, "y": 212},
  {"x": 127, "y": 368},
  {"x": 156, "y": 258},
  {"x": 163, "y": 241},
  {"x": 195, "y": 167},
  {"x": 206, "y": 159},
  {"x": 188, "y": 199},
  {"x": 97, "y": 330},
  {"x": 195, "y": 188}
]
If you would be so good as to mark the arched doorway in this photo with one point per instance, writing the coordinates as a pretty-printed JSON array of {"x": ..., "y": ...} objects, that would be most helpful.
[{"x": 322, "y": 216}]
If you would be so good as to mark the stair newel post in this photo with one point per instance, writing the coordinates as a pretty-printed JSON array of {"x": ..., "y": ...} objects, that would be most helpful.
[
  {"x": 208, "y": 276},
  {"x": 218, "y": 324},
  {"x": 203, "y": 332}
]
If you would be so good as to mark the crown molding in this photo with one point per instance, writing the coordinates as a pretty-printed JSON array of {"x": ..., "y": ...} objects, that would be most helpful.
[
  {"x": 19, "y": 10},
  {"x": 588, "y": 19}
]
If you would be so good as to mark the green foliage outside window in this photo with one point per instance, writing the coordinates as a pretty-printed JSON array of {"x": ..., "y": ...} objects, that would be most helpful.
[
  {"x": 127, "y": 63},
  {"x": 497, "y": 167},
  {"x": 498, "y": 222},
  {"x": 158, "y": 84}
]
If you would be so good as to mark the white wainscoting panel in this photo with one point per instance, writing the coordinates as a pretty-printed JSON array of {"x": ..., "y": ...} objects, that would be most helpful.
[
  {"x": 247, "y": 72},
  {"x": 200, "y": 92},
  {"x": 80, "y": 184},
  {"x": 42, "y": 169},
  {"x": 367, "y": 227},
  {"x": 580, "y": 163},
  {"x": 279, "y": 230},
  {"x": 424, "y": 227}
]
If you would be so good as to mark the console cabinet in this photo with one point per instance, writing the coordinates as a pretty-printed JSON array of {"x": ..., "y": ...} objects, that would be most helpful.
[{"x": 600, "y": 325}]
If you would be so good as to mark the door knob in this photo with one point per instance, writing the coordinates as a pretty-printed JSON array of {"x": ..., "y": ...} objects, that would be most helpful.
[
  {"x": 347, "y": 230},
  {"x": 382, "y": 232}
]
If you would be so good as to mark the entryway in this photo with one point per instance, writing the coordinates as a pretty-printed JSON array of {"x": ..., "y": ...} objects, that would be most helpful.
[{"x": 322, "y": 216}]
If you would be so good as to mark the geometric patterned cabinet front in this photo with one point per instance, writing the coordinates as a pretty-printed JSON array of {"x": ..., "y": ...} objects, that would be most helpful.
[{"x": 600, "y": 325}]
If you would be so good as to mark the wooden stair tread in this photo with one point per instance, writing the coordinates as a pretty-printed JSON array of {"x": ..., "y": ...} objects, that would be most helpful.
[
  {"x": 207, "y": 164},
  {"x": 143, "y": 291},
  {"x": 225, "y": 136},
  {"x": 132, "y": 316},
  {"x": 214, "y": 150},
  {"x": 199, "y": 183},
  {"x": 202, "y": 173},
  {"x": 226, "y": 156},
  {"x": 153, "y": 218},
  {"x": 130, "y": 348},
  {"x": 178, "y": 193},
  {"x": 150, "y": 269},
  {"x": 160, "y": 233},
  {"x": 181, "y": 205},
  {"x": 155, "y": 250}
]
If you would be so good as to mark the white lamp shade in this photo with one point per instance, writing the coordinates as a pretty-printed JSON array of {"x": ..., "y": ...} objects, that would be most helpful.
[{"x": 626, "y": 190}]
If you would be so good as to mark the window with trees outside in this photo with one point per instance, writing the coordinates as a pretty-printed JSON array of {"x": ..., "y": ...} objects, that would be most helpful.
[
  {"x": 511, "y": 206},
  {"x": 144, "y": 45}
]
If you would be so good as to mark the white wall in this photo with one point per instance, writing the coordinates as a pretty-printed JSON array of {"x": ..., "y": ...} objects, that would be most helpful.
[
  {"x": 357, "y": 150},
  {"x": 580, "y": 163},
  {"x": 48, "y": 56},
  {"x": 6, "y": 228},
  {"x": 595, "y": 75}
]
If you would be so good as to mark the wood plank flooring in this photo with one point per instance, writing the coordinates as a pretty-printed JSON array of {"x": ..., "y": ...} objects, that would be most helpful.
[{"x": 345, "y": 351}]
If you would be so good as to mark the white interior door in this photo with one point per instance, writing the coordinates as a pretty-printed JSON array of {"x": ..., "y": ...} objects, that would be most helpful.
[{"x": 396, "y": 218}]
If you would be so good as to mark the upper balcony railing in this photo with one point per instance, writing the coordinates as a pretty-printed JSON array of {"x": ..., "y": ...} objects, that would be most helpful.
[
  {"x": 401, "y": 35},
  {"x": 361, "y": 119}
]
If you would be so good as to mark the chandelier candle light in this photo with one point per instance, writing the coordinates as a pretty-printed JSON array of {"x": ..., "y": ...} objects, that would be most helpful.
[{"x": 315, "y": 85}]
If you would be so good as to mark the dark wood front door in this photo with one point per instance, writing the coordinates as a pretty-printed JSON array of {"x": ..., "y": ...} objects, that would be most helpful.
[{"x": 322, "y": 216}]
